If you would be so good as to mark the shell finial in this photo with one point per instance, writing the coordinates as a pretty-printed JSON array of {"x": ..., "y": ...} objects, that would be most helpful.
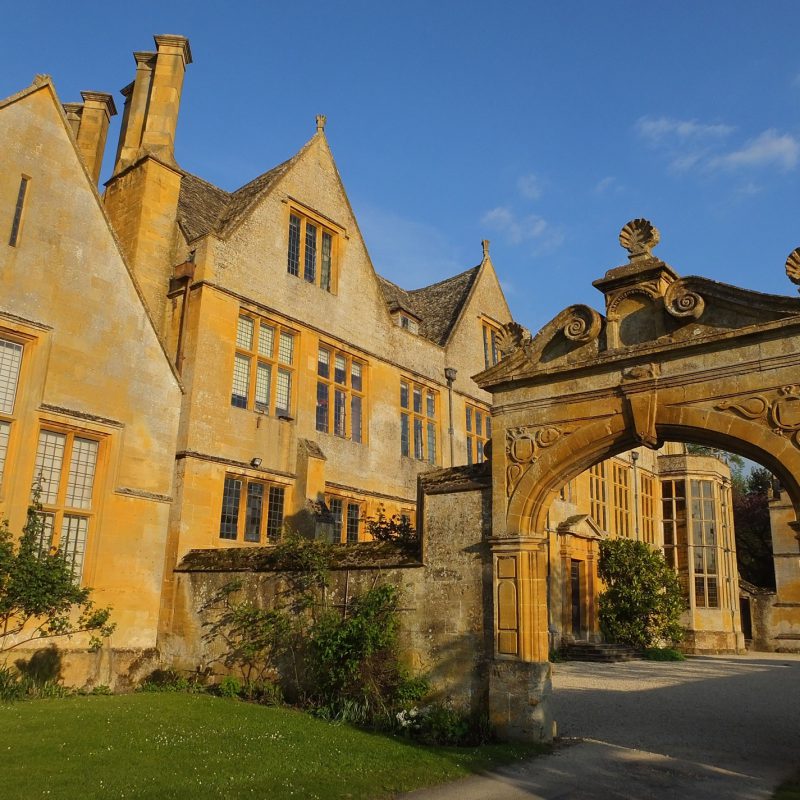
[
  {"x": 793, "y": 266},
  {"x": 639, "y": 237}
]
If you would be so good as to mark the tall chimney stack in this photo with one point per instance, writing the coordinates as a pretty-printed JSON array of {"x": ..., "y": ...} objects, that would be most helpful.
[{"x": 89, "y": 121}]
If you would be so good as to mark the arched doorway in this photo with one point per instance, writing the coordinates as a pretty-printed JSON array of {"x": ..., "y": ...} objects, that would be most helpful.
[{"x": 672, "y": 359}]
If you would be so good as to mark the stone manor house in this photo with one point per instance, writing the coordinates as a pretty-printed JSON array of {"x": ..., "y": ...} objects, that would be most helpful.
[{"x": 187, "y": 369}]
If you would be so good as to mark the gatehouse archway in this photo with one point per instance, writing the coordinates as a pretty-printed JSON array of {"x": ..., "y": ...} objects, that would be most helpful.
[{"x": 672, "y": 359}]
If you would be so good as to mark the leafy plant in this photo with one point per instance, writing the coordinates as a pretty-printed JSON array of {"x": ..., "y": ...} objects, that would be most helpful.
[
  {"x": 663, "y": 654},
  {"x": 229, "y": 686},
  {"x": 642, "y": 601},
  {"x": 39, "y": 596},
  {"x": 393, "y": 529}
]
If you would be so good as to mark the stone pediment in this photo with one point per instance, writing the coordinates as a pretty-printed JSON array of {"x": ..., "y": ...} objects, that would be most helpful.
[
  {"x": 649, "y": 310},
  {"x": 581, "y": 526}
]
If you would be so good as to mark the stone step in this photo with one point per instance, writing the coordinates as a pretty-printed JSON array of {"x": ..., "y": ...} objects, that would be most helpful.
[{"x": 598, "y": 651}]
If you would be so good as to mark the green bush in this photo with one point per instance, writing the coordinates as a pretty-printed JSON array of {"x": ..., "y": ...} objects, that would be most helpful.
[
  {"x": 166, "y": 680},
  {"x": 229, "y": 686},
  {"x": 264, "y": 693},
  {"x": 663, "y": 654},
  {"x": 642, "y": 601}
]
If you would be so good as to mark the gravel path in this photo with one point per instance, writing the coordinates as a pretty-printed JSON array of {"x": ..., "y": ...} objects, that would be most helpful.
[{"x": 711, "y": 727}]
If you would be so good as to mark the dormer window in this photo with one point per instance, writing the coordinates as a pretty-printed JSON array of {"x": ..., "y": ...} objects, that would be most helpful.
[
  {"x": 406, "y": 322},
  {"x": 312, "y": 250}
]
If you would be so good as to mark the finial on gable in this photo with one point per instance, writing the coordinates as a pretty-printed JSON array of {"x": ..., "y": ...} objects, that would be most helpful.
[
  {"x": 485, "y": 246},
  {"x": 793, "y": 267},
  {"x": 321, "y": 120},
  {"x": 639, "y": 237}
]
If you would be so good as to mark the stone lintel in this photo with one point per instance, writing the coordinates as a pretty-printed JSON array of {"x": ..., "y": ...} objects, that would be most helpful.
[
  {"x": 165, "y": 40},
  {"x": 647, "y": 270}
]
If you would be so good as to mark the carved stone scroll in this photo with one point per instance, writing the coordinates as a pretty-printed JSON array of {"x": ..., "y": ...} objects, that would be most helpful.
[
  {"x": 681, "y": 302},
  {"x": 583, "y": 325},
  {"x": 522, "y": 449},
  {"x": 781, "y": 413}
]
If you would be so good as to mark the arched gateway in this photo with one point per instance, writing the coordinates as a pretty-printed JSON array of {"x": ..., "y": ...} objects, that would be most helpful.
[{"x": 681, "y": 359}]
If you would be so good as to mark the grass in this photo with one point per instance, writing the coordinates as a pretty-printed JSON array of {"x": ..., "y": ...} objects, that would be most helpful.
[
  {"x": 790, "y": 790},
  {"x": 191, "y": 746}
]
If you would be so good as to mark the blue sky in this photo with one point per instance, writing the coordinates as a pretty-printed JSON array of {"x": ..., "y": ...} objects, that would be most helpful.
[{"x": 543, "y": 127}]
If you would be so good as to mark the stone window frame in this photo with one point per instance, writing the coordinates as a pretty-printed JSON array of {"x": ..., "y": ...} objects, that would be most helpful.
[
  {"x": 621, "y": 492},
  {"x": 9, "y": 408},
  {"x": 478, "y": 424},
  {"x": 647, "y": 495},
  {"x": 411, "y": 415},
  {"x": 270, "y": 514},
  {"x": 260, "y": 363},
  {"x": 327, "y": 387},
  {"x": 309, "y": 264},
  {"x": 68, "y": 527},
  {"x": 490, "y": 332},
  {"x": 598, "y": 494},
  {"x": 348, "y": 518},
  {"x": 18, "y": 220}
]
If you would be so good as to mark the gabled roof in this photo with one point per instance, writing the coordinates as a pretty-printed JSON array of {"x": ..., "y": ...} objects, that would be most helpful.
[
  {"x": 440, "y": 304},
  {"x": 436, "y": 306},
  {"x": 205, "y": 208}
]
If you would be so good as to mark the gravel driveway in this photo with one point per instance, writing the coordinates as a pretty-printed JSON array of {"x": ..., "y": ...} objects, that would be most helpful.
[{"x": 710, "y": 727}]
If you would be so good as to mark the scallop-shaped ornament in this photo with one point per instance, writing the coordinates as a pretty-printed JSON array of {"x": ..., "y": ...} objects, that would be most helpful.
[
  {"x": 793, "y": 266},
  {"x": 639, "y": 237}
]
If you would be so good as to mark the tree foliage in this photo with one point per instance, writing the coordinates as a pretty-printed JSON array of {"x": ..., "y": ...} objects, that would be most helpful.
[
  {"x": 39, "y": 597},
  {"x": 642, "y": 601},
  {"x": 383, "y": 528},
  {"x": 753, "y": 529}
]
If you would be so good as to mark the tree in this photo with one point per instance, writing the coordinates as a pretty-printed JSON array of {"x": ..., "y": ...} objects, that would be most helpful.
[
  {"x": 39, "y": 597},
  {"x": 642, "y": 601},
  {"x": 753, "y": 529}
]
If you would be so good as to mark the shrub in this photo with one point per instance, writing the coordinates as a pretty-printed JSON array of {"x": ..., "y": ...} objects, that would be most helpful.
[
  {"x": 229, "y": 686},
  {"x": 393, "y": 529},
  {"x": 642, "y": 601},
  {"x": 663, "y": 654}
]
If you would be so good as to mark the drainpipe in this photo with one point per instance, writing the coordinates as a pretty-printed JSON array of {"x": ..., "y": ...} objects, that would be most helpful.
[
  {"x": 450, "y": 376},
  {"x": 634, "y": 459}
]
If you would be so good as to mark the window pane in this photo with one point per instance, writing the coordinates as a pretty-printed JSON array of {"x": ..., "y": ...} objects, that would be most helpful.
[
  {"x": 486, "y": 362},
  {"x": 479, "y": 423},
  {"x": 286, "y": 348},
  {"x": 241, "y": 381},
  {"x": 469, "y": 449},
  {"x": 72, "y": 544},
  {"x": 266, "y": 340},
  {"x": 10, "y": 358},
  {"x": 404, "y": 435},
  {"x": 355, "y": 419},
  {"x": 229, "y": 521},
  {"x": 417, "y": 400},
  {"x": 253, "y": 512},
  {"x": 355, "y": 376},
  {"x": 488, "y": 421},
  {"x": 310, "y": 266},
  {"x": 339, "y": 413},
  {"x": 418, "y": 447},
  {"x": 324, "y": 363},
  {"x": 81, "y": 473},
  {"x": 284, "y": 392},
  {"x": 431, "y": 443},
  {"x": 469, "y": 420},
  {"x": 322, "y": 407},
  {"x": 5, "y": 428},
  {"x": 325, "y": 267},
  {"x": 494, "y": 347},
  {"x": 263, "y": 386},
  {"x": 431, "y": 404},
  {"x": 47, "y": 472},
  {"x": 275, "y": 513},
  {"x": 340, "y": 370},
  {"x": 293, "y": 262},
  {"x": 336, "y": 513},
  {"x": 353, "y": 514},
  {"x": 403, "y": 395},
  {"x": 244, "y": 333}
]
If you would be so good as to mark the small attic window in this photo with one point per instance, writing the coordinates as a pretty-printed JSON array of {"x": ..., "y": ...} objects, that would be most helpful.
[
  {"x": 406, "y": 322},
  {"x": 16, "y": 222}
]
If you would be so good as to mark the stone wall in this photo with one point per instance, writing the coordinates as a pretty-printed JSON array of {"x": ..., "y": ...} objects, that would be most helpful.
[{"x": 446, "y": 590}]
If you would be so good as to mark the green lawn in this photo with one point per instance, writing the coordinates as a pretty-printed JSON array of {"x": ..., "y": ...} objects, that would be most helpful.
[{"x": 197, "y": 746}]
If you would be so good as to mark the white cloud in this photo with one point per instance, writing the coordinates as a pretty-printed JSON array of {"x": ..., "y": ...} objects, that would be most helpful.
[
  {"x": 659, "y": 129},
  {"x": 769, "y": 148},
  {"x": 527, "y": 228},
  {"x": 607, "y": 184},
  {"x": 530, "y": 186}
]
